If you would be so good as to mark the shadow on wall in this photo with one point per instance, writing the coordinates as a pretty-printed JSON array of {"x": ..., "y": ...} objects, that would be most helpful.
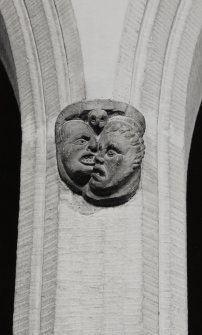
[
  {"x": 10, "y": 144},
  {"x": 194, "y": 229}
]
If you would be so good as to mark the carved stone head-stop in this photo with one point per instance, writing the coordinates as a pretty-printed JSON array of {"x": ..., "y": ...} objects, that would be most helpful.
[{"x": 100, "y": 148}]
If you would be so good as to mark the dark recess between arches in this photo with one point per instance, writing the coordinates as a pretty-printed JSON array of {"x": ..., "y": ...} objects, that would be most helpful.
[
  {"x": 10, "y": 144},
  {"x": 194, "y": 229}
]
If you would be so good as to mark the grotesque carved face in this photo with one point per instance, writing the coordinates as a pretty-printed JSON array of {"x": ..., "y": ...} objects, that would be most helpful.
[
  {"x": 97, "y": 119},
  {"x": 100, "y": 148},
  {"x": 120, "y": 151},
  {"x": 77, "y": 150}
]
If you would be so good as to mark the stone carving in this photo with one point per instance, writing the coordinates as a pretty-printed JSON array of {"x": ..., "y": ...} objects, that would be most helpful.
[
  {"x": 98, "y": 119},
  {"x": 100, "y": 148}
]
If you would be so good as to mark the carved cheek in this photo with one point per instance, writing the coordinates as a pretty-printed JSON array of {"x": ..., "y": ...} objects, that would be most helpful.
[
  {"x": 65, "y": 150},
  {"x": 71, "y": 151},
  {"x": 119, "y": 159},
  {"x": 102, "y": 123},
  {"x": 115, "y": 162}
]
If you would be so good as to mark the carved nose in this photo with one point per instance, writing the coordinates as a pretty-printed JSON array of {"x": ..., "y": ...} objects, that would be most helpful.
[
  {"x": 92, "y": 146},
  {"x": 99, "y": 160}
]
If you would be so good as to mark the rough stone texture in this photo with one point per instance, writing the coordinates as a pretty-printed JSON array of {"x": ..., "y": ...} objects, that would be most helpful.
[{"x": 88, "y": 270}]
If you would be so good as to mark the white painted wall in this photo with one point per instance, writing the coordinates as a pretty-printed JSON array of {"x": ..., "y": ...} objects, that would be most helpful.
[{"x": 100, "y": 25}]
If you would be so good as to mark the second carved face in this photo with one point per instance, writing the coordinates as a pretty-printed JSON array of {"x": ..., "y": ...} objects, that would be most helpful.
[{"x": 119, "y": 151}]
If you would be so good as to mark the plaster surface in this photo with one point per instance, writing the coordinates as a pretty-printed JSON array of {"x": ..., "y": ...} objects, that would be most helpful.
[{"x": 100, "y": 25}]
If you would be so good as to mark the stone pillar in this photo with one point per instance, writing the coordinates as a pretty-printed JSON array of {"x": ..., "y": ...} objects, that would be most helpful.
[{"x": 81, "y": 268}]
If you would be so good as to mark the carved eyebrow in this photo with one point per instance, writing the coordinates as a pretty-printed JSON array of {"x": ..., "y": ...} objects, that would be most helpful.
[
  {"x": 85, "y": 137},
  {"x": 113, "y": 147}
]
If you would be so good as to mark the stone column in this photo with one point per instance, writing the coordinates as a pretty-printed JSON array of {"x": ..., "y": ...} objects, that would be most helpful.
[{"x": 87, "y": 269}]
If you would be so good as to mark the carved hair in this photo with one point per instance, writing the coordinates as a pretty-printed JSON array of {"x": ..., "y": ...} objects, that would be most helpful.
[
  {"x": 126, "y": 126},
  {"x": 61, "y": 133},
  {"x": 129, "y": 129}
]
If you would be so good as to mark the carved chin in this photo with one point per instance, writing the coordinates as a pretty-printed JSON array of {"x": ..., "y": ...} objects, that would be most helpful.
[{"x": 98, "y": 177}]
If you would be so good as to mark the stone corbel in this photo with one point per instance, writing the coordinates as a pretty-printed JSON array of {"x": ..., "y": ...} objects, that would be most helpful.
[{"x": 100, "y": 148}]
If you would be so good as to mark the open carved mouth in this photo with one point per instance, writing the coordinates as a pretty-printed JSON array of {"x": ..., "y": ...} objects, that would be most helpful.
[
  {"x": 88, "y": 160},
  {"x": 98, "y": 173}
]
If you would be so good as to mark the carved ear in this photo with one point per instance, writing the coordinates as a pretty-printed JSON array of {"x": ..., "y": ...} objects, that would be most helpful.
[
  {"x": 136, "y": 163},
  {"x": 139, "y": 157}
]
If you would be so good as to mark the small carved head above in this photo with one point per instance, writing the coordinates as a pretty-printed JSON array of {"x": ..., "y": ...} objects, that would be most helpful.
[
  {"x": 97, "y": 119},
  {"x": 100, "y": 148}
]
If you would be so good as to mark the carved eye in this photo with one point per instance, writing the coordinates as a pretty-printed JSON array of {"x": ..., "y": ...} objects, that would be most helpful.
[
  {"x": 93, "y": 120},
  {"x": 111, "y": 153},
  {"x": 102, "y": 120},
  {"x": 81, "y": 141}
]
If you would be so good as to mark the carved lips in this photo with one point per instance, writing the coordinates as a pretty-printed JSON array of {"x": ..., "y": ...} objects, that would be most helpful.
[
  {"x": 88, "y": 159},
  {"x": 98, "y": 173},
  {"x": 98, "y": 150}
]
